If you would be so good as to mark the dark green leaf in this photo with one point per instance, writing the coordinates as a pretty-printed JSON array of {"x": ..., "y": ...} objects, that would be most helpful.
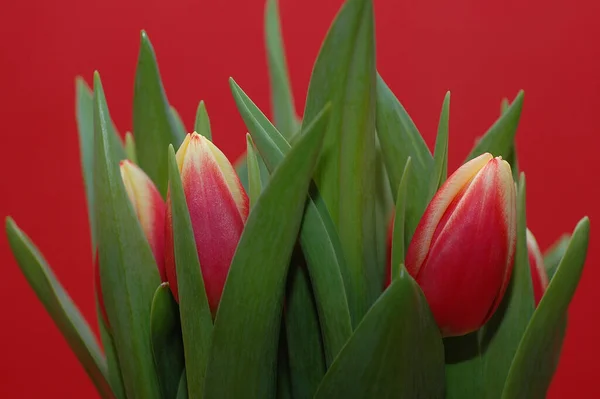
[
  {"x": 318, "y": 236},
  {"x": 282, "y": 100},
  {"x": 84, "y": 107},
  {"x": 539, "y": 351},
  {"x": 182, "y": 391},
  {"x": 114, "y": 369},
  {"x": 284, "y": 387},
  {"x": 243, "y": 355},
  {"x": 128, "y": 271},
  {"x": 398, "y": 238},
  {"x": 344, "y": 75},
  {"x": 554, "y": 254},
  {"x": 60, "y": 307},
  {"x": 202, "y": 125},
  {"x": 305, "y": 348},
  {"x": 396, "y": 351},
  {"x": 499, "y": 138},
  {"x": 154, "y": 127},
  {"x": 400, "y": 139},
  {"x": 196, "y": 319},
  {"x": 179, "y": 125},
  {"x": 254, "y": 183},
  {"x": 167, "y": 342},
  {"x": 440, "y": 157}
]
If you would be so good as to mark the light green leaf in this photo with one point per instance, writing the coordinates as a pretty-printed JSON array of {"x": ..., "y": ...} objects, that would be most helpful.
[
  {"x": 202, "y": 125},
  {"x": 241, "y": 168},
  {"x": 318, "y": 236},
  {"x": 128, "y": 271},
  {"x": 254, "y": 183},
  {"x": 400, "y": 139},
  {"x": 179, "y": 125},
  {"x": 167, "y": 343},
  {"x": 499, "y": 138},
  {"x": 398, "y": 237},
  {"x": 282, "y": 100},
  {"x": 396, "y": 351},
  {"x": 539, "y": 351},
  {"x": 440, "y": 157},
  {"x": 114, "y": 369},
  {"x": 305, "y": 348},
  {"x": 243, "y": 355},
  {"x": 154, "y": 127},
  {"x": 60, "y": 307},
  {"x": 130, "y": 147},
  {"x": 555, "y": 253},
  {"x": 196, "y": 319},
  {"x": 344, "y": 75}
]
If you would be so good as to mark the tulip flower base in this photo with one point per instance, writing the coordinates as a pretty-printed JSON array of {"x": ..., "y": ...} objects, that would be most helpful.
[{"x": 337, "y": 258}]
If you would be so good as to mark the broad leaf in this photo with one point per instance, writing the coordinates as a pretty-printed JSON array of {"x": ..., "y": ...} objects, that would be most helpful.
[
  {"x": 202, "y": 124},
  {"x": 196, "y": 319},
  {"x": 396, "y": 351},
  {"x": 318, "y": 237},
  {"x": 344, "y": 75},
  {"x": 440, "y": 155},
  {"x": 243, "y": 355},
  {"x": 60, "y": 307},
  {"x": 128, "y": 272},
  {"x": 154, "y": 127},
  {"x": 282, "y": 100},
  {"x": 167, "y": 343},
  {"x": 539, "y": 351}
]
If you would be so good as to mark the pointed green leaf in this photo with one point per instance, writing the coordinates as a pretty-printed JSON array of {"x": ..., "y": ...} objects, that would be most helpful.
[
  {"x": 318, "y": 237},
  {"x": 114, "y": 369},
  {"x": 182, "y": 391},
  {"x": 243, "y": 355},
  {"x": 539, "y": 351},
  {"x": 154, "y": 126},
  {"x": 84, "y": 108},
  {"x": 384, "y": 210},
  {"x": 254, "y": 183},
  {"x": 440, "y": 157},
  {"x": 504, "y": 104},
  {"x": 344, "y": 75},
  {"x": 555, "y": 253},
  {"x": 167, "y": 343},
  {"x": 130, "y": 147},
  {"x": 241, "y": 168},
  {"x": 282, "y": 100},
  {"x": 196, "y": 319},
  {"x": 400, "y": 139},
  {"x": 128, "y": 271},
  {"x": 202, "y": 125},
  {"x": 179, "y": 125},
  {"x": 60, "y": 307},
  {"x": 398, "y": 237},
  {"x": 511, "y": 158},
  {"x": 499, "y": 138},
  {"x": 305, "y": 348},
  {"x": 396, "y": 351}
]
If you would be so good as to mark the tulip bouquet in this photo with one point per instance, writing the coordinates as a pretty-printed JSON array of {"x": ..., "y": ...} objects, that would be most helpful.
[{"x": 336, "y": 259}]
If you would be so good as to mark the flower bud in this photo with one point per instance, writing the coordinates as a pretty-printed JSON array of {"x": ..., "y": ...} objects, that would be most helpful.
[
  {"x": 218, "y": 207},
  {"x": 462, "y": 251},
  {"x": 539, "y": 277},
  {"x": 149, "y": 208}
]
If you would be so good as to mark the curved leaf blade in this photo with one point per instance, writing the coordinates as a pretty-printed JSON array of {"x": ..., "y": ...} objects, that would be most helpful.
[
  {"x": 114, "y": 369},
  {"x": 179, "y": 125},
  {"x": 398, "y": 236},
  {"x": 243, "y": 355},
  {"x": 440, "y": 155},
  {"x": 254, "y": 183},
  {"x": 538, "y": 353},
  {"x": 60, "y": 307},
  {"x": 202, "y": 124},
  {"x": 554, "y": 255},
  {"x": 395, "y": 352}
]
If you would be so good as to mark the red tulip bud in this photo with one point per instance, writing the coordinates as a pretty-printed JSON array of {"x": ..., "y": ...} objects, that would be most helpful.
[
  {"x": 463, "y": 248},
  {"x": 539, "y": 277},
  {"x": 218, "y": 207}
]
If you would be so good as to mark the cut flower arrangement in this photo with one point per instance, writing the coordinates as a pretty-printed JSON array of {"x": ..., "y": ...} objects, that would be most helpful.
[{"x": 336, "y": 259}]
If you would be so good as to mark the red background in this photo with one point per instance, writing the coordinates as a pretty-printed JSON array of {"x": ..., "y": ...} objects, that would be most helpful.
[{"x": 481, "y": 51}]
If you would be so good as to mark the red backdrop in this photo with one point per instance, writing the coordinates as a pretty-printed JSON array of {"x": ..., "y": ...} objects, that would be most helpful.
[{"x": 481, "y": 51}]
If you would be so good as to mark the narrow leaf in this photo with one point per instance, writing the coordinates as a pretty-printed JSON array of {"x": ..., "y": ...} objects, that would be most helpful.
[
  {"x": 499, "y": 138},
  {"x": 440, "y": 157},
  {"x": 398, "y": 237},
  {"x": 179, "y": 125},
  {"x": 202, "y": 125},
  {"x": 128, "y": 271},
  {"x": 154, "y": 126},
  {"x": 182, "y": 391},
  {"x": 112, "y": 361},
  {"x": 396, "y": 351},
  {"x": 167, "y": 343},
  {"x": 539, "y": 351},
  {"x": 60, "y": 307},
  {"x": 130, "y": 147},
  {"x": 254, "y": 183},
  {"x": 555, "y": 253},
  {"x": 318, "y": 236},
  {"x": 196, "y": 319},
  {"x": 282, "y": 100},
  {"x": 243, "y": 355}
]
